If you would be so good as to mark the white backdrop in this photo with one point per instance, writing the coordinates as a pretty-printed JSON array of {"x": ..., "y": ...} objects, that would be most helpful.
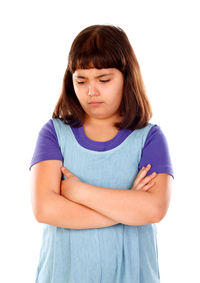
[{"x": 35, "y": 41}]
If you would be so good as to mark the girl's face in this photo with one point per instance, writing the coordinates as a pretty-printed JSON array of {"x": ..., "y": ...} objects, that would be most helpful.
[{"x": 105, "y": 86}]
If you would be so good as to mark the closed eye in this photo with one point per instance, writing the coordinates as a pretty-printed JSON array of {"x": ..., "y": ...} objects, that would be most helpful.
[
  {"x": 105, "y": 81},
  {"x": 102, "y": 81}
]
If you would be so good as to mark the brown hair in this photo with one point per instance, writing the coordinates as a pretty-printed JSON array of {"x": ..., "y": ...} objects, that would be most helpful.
[{"x": 105, "y": 46}]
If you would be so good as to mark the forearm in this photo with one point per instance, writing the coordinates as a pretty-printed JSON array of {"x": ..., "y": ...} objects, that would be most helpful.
[
  {"x": 65, "y": 213},
  {"x": 124, "y": 206}
]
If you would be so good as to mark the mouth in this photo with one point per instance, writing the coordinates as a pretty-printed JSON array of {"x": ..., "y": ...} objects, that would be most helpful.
[{"x": 95, "y": 103}]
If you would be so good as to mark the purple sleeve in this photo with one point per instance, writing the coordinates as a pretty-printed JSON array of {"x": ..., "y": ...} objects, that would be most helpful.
[
  {"x": 156, "y": 152},
  {"x": 47, "y": 147}
]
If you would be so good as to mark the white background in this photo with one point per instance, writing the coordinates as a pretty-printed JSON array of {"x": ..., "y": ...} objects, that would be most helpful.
[{"x": 35, "y": 41}]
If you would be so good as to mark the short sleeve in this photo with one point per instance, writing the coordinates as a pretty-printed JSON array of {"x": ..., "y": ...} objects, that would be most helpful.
[
  {"x": 156, "y": 152},
  {"x": 47, "y": 146}
]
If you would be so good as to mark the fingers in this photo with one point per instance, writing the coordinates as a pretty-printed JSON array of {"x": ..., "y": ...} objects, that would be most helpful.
[
  {"x": 142, "y": 182},
  {"x": 142, "y": 173},
  {"x": 147, "y": 179},
  {"x": 66, "y": 172},
  {"x": 148, "y": 186},
  {"x": 146, "y": 183}
]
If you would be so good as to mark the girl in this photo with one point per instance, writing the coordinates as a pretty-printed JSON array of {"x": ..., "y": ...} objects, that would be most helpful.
[{"x": 101, "y": 174}]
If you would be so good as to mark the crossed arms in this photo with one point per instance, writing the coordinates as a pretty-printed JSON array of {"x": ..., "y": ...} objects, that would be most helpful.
[{"x": 92, "y": 206}]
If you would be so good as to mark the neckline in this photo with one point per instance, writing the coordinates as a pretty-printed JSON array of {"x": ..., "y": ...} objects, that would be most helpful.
[
  {"x": 99, "y": 143},
  {"x": 89, "y": 144}
]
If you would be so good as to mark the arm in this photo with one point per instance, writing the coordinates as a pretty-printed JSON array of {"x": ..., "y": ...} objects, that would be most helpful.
[
  {"x": 129, "y": 207},
  {"x": 52, "y": 208}
]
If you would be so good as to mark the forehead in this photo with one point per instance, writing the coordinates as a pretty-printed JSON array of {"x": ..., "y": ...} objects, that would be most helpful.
[{"x": 93, "y": 72}]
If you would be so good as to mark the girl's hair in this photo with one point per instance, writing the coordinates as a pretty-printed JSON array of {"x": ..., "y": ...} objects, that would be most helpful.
[{"x": 105, "y": 46}]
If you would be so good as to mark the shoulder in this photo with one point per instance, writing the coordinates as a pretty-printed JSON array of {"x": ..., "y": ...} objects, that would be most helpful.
[
  {"x": 47, "y": 146},
  {"x": 154, "y": 131},
  {"x": 48, "y": 127},
  {"x": 155, "y": 136},
  {"x": 59, "y": 124},
  {"x": 147, "y": 132},
  {"x": 156, "y": 152},
  {"x": 48, "y": 132}
]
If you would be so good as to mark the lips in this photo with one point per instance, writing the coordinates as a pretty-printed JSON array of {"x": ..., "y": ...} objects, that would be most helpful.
[{"x": 95, "y": 102}]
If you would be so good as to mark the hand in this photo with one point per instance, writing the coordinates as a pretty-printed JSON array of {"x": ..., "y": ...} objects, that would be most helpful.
[
  {"x": 143, "y": 183},
  {"x": 69, "y": 187}
]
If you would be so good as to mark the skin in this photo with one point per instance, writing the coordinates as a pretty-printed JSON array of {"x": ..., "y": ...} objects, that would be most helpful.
[{"x": 107, "y": 89}]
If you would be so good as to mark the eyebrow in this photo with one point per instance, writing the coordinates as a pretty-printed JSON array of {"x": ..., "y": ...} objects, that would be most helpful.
[{"x": 99, "y": 76}]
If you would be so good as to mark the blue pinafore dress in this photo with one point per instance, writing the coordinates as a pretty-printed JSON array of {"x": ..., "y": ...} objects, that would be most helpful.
[{"x": 115, "y": 254}]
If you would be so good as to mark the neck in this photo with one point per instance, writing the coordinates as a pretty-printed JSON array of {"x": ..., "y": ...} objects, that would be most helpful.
[{"x": 107, "y": 122}]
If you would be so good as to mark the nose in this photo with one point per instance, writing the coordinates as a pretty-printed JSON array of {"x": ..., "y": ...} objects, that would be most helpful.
[{"x": 92, "y": 90}]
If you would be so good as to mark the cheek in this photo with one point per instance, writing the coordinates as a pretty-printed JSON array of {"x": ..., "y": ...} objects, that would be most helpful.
[
  {"x": 115, "y": 95},
  {"x": 78, "y": 92},
  {"x": 76, "y": 89}
]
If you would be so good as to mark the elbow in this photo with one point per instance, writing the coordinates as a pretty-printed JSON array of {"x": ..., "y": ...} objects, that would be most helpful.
[
  {"x": 38, "y": 212},
  {"x": 159, "y": 214},
  {"x": 153, "y": 215},
  {"x": 43, "y": 208},
  {"x": 39, "y": 217},
  {"x": 40, "y": 208}
]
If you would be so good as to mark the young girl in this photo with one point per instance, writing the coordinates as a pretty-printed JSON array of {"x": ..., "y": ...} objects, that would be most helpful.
[{"x": 101, "y": 174}]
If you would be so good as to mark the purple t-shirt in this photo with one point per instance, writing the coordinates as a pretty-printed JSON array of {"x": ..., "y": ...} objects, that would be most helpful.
[{"x": 155, "y": 150}]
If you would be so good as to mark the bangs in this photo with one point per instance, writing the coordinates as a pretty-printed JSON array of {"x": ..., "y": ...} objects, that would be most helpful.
[{"x": 96, "y": 52}]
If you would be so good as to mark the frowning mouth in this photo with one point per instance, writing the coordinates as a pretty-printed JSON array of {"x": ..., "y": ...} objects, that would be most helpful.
[{"x": 95, "y": 103}]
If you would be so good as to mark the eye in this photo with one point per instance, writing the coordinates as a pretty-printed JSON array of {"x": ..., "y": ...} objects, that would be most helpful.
[
  {"x": 80, "y": 82},
  {"x": 104, "y": 81}
]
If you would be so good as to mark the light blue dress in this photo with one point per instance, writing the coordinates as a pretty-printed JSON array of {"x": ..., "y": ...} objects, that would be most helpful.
[{"x": 116, "y": 254}]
